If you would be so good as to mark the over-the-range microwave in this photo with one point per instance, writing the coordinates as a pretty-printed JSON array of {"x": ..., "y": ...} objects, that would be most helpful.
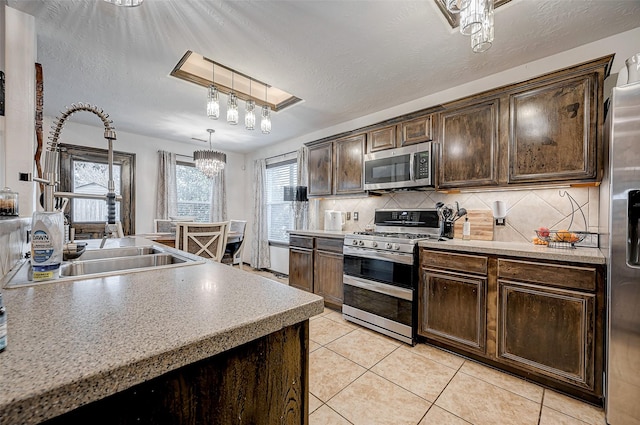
[{"x": 409, "y": 166}]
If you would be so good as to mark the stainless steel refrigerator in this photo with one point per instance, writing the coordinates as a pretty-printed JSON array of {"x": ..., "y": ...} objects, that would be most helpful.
[{"x": 620, "y": 236}]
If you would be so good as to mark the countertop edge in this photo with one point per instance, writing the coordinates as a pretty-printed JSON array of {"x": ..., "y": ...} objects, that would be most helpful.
[
  {"x": 35, "y": 408},
  {"x": 516, "y": 249},
  {"x": 320, "y": 233}
]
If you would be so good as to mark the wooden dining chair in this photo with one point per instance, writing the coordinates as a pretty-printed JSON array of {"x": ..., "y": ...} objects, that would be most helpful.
[
  {"x": 237, "y": 227},
  {"x": 208, "y": 240}
]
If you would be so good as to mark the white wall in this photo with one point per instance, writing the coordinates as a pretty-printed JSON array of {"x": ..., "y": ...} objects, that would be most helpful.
[
  {"x": 146, "y": 170},
  {"x": 623, "y": 45},
  {"x": 19, "y": 136}
]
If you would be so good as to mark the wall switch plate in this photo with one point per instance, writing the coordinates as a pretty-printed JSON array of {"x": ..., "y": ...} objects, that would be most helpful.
[
  {"x": 348, "y": 215},
  {"x": 24, "y": 177},
  {"x": 355, "y": 216}
]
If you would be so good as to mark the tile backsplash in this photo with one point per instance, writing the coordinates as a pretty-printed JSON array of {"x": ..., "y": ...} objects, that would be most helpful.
[{"x": 526, "y": 209}]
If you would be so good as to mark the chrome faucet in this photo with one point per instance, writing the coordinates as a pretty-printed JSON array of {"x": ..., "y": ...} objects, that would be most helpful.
[{"x": 52, "y": 159}]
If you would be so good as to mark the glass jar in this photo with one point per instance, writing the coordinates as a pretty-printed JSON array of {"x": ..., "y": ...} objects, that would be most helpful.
[{"x": 8, "y": 202}]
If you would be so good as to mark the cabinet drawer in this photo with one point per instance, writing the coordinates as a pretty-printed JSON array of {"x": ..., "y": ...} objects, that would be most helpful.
[
  {"x": 563, "y": 276},
  {"x": 456, "y": 262},
  {"x": 301, "y": 241},
  {"x": 330, "y": 244}
]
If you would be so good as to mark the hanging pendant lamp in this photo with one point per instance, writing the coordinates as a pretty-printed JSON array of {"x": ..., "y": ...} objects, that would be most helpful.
[
  {"x": 250, "y": 115},
  {"x": 265, "y": 124},
  {"x": 232, "y": 105},
  {"x": 210, "y": 162},
  {"x": 213, "y": 98}
]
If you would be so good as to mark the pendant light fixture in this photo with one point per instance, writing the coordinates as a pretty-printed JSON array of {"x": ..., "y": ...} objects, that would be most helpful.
[
  {"x": 476, "y": 20},
  {"x": 213, "y": 99},
  {"x": 232, "y": 105},
  {"x": 482, "y": 39},
  {"x": 210, "y": 162},
  {"x": 455, "y": 6},
  {"x": 250, "y": 115},
  {"x": 265, "y": 124}
]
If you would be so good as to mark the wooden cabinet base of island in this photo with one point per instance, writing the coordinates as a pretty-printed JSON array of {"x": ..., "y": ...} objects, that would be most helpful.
[
  {"x": 541, "y": 320},
  {"x": 261, "y": 382}
]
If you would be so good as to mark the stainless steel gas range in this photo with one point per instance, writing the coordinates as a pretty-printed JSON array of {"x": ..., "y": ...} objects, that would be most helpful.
[{"x": 381, "y": 271}]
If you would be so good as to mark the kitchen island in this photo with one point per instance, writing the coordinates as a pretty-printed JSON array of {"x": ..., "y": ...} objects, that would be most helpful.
[{"x": 175, "y": 343}]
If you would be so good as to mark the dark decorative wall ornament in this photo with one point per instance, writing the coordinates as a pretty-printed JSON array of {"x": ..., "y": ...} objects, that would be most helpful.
[{"x": 2, "y": 93}]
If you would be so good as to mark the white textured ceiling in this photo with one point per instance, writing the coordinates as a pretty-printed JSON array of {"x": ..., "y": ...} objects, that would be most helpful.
[{"x": 346, "y": 59}]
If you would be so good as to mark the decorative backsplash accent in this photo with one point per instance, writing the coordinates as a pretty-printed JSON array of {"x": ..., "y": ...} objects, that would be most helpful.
[{"x": 526, "y": 209}]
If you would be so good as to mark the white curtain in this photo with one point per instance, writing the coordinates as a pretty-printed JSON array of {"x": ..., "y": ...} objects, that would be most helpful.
[
  {"x": 167, "y": 199},
  {"x": 218, "y": 210},
  {"x": 301, "y": 209},
  {"x": 260, "y": 258}
]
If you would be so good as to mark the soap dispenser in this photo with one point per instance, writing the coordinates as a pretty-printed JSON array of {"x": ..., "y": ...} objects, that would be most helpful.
[{"x": 466, "y": 229}]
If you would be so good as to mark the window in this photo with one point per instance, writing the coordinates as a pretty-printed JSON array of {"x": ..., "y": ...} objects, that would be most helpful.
[
  {"x": 280, "y": 214},
  {"x": 194, "y": 192},
  {"x": 93, "y": 178},
  {"x": 84, "y": 170}
]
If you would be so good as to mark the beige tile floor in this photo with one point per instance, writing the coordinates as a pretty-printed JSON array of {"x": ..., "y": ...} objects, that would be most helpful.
[{"x": 360, "y": 377}]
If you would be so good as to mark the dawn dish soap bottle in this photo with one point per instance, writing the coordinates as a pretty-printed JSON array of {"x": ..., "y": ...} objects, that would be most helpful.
[{"x": 47, "y": 233}]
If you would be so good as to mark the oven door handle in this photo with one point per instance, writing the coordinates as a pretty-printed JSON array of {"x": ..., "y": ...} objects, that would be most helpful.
[
  {"x": 377, "y": 255},
  {"x": 381, "y": 288}
]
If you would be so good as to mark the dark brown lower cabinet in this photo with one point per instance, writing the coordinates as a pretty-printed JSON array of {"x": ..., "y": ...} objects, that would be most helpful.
[
  {"x": 301, "y": 268},
  {"x": 315, "y": 265},
  {"x": 540, "y": 319},
  {"x": 261, "y": 382},
  {"x": 328, "y": 267},
  {"x": 548, "y": 330},
  {"x": 453, "y": 309}
]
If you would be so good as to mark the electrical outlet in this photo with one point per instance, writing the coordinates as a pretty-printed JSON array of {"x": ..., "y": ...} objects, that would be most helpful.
[
  {"x": 355, "y": 216},
  {"x": 348, "y": 215}
]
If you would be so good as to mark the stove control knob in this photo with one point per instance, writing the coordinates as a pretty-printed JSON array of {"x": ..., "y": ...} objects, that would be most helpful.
[
  {"x": 396, "y": 246},
  {"x": 374, "y": 244},
  {"x": 354, "y": 242},
  {"x": 388, "y": 246},
  {"x": 361, "y": 243}
]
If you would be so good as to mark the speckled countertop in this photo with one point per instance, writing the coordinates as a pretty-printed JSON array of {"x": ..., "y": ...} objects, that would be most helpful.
[
  {"x": 320, "y": 233},
  {"x": 74, "y": 342},
  {"x": 518, "y": 249}
]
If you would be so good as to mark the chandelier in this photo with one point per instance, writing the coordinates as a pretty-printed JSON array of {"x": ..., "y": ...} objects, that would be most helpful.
[
  {"x": 209, "y": 162},
  {"x": 476, "y": 20},
  {"x": 125, "y": 3}
]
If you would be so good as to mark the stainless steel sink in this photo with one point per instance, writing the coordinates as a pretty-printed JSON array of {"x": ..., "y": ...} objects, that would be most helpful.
[
  {"x": 105, "y": 265},
  {"x": 94, "y": 263},
  {"x": 125, "y": 251}
]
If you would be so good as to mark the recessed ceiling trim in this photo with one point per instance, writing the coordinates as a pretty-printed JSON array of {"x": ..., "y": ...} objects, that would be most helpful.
[
  {"x": 199, "y": 70},
  {"x": 454, "y": 18}
]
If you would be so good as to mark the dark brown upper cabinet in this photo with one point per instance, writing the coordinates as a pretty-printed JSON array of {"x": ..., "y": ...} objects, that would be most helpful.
[
  {"x": 382, "y": 138},
  {"x": 349, "y": 177},
  {"x": 417, "y": 130},
  {"x": 335, "y": 167},
  {"x": 553, "y": 131},
  {"x": 320, "y": 169},
  {"x": 469, "y": 145}
]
